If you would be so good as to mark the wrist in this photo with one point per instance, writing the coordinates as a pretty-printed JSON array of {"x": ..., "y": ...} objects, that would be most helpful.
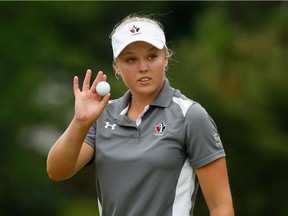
[{"x": 80, "y": 124}]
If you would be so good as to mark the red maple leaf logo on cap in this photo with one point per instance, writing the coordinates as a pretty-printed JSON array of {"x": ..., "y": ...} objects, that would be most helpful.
[{"x": 134, "y": 28}]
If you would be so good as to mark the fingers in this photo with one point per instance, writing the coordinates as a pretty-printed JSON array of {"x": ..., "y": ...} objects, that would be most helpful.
[
  {"x": 76, "y": 85},
  {"x": 100, "y": 77},
  {"x": 86, "y": 82}
]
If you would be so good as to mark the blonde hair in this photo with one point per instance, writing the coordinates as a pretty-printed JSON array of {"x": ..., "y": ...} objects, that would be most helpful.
[{"x": 143, "y": 18}]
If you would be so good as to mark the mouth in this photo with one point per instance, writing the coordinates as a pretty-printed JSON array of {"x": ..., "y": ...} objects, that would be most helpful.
[{"x": 144, "y": 79}]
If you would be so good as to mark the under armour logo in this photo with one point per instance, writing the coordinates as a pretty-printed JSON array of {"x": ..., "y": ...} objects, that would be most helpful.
[{"x": 108, "y": 124}]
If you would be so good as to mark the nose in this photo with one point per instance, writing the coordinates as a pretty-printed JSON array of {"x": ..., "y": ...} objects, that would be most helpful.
[{"x": 143, "y": 66}]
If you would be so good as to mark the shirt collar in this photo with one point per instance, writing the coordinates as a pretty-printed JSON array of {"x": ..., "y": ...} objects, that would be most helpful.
[{"x": 165, "y": 96}]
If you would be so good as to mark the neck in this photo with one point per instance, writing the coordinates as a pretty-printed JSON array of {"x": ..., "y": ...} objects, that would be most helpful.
[{"x": 137, "y": 106}]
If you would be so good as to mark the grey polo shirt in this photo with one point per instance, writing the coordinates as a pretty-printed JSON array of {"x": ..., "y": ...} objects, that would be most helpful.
[{"x": 148, "y": 169}]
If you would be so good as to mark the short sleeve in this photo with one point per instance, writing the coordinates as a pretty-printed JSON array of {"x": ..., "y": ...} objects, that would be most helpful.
[
  {"x": 90, "y": 138},
  {"x": 202, "y": 140}
]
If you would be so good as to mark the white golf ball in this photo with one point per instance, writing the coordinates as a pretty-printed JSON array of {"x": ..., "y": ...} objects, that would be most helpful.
[{"x": 103, "y": 88}]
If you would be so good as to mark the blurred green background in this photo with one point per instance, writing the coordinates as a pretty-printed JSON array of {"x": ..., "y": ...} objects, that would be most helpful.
[{"x": 229, "y": 56}]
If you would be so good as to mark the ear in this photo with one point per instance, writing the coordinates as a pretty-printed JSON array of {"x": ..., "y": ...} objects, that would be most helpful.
[
  {"x": 166, "y": 61},
  {"x": 116, "y": 68}
]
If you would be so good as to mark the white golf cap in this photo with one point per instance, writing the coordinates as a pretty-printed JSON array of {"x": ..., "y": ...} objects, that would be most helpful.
[{"x": 137, "y": 31}]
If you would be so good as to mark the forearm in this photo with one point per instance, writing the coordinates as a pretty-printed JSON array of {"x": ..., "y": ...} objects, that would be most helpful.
[
  {"x": 217, "y": 192},
  {"x": 63, "y": 156},
  {"x": 224, "y": 210}
]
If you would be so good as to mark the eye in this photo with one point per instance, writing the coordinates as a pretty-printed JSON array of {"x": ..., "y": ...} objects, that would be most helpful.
[
  {"x": 152, "y": 56},
  {"x": 131, "y": 59}
]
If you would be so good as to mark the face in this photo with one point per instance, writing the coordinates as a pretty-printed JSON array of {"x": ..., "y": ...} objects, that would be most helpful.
[{"x": 142, "y": 68}]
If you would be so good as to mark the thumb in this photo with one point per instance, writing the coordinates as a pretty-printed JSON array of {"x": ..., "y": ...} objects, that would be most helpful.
[{"x": 104, "y": 101}]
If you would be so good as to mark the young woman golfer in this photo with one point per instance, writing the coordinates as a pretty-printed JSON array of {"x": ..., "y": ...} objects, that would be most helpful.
[{"x": 153, "y": 146}]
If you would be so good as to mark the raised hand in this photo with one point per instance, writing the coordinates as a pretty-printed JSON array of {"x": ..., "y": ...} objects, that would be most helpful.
[{"x": 88, "y": 104}]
